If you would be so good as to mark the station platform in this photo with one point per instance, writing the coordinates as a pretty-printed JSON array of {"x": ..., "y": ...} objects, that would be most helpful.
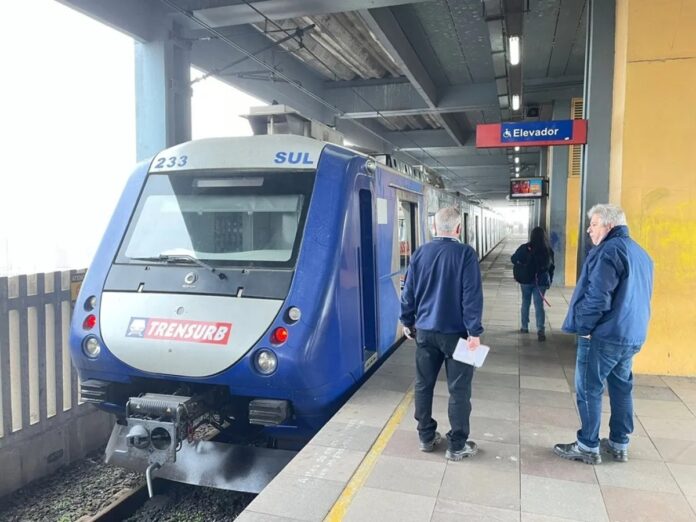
[{"x": 365, "y": 465}]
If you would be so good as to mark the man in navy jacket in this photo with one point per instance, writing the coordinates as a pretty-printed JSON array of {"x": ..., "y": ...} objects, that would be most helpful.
[
  {"x": 442, "y": 300},
  {"x": 609, "y": 312}
]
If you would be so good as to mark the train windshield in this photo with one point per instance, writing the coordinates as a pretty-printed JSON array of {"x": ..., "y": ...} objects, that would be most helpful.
[{"x": 250, "y": 219}]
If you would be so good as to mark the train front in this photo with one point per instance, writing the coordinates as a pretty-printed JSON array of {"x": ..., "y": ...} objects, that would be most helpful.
[{"x": 186, "y": 304}]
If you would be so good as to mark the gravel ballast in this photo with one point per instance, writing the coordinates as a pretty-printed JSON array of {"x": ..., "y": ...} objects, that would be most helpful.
[
  {"x": 185, "y": 503},
  {"x": 80, "y": 489},
  {"x": 88, "y": 486}
]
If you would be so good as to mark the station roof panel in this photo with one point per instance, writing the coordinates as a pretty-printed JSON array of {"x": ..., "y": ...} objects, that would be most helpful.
[{"x": 410, "y": 77}]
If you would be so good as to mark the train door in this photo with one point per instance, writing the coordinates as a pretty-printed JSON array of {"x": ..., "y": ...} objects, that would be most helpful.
[{"x": 368, "y": 279}]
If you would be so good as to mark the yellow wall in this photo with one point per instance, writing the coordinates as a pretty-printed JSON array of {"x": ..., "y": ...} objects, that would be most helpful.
[
  {"x": 654, "y": 164},
  {"x": 572, "y": 225}
]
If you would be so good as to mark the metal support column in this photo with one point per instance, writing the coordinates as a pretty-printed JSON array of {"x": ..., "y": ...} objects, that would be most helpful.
[
  {"x": 599, "y": 81},
  {"x": 543, "y": 172},
  {"x": 162, "y": 95},
  {"x": 558, "y": 196}
]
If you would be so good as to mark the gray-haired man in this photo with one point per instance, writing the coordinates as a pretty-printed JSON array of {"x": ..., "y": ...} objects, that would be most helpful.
[
  {"x": 609, "y": 312},
  {"x": 443, "y": 301}
]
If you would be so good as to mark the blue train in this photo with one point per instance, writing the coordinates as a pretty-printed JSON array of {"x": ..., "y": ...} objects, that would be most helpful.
[{"x": 242, "y": 291}]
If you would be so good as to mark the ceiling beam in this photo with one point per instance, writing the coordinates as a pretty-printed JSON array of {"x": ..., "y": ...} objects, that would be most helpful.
[
  {"x": 391, "y": 36},
  {"x": 464, "y": 150},
  {"x": 143, "y": 21},
  {"x": 465, "y": 162},
  {"x": 416, "y": 140},
  {"x": 406, "y": 112},
  {"x": 539, "y": 96},
  {"x": 368, "y": 134},
  {"x": 368, "y": 98},
  {"x": 241, "y": 13},
  {"x": 386, "y": 28},
  {"x": 368, "y": 82},
  {"x": 399, "y": 99},
  {"x": 461, "y": 98}
]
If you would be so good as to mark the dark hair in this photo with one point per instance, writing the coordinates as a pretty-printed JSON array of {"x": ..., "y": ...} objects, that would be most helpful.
[{"x": 539, "y": 242}]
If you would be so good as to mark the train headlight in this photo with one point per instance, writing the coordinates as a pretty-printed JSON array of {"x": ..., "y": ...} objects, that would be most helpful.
[
  {"x": 294, "y": 314},
  {"x": 90, "y": 303},
  {"x": 91, "y": 347},
  {"x": 266, "y": 362}
]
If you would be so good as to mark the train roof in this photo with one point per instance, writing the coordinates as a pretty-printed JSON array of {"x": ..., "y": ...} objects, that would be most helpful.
[{"x": 263, "y": 152}]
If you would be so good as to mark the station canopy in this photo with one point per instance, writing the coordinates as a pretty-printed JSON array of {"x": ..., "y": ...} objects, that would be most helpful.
[{"x": 409, "y": 77}]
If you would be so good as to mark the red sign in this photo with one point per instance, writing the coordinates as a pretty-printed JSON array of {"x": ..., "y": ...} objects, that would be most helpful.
[
  {"x": 178, "y": 330},
  {"x": 490, "y": 135}
]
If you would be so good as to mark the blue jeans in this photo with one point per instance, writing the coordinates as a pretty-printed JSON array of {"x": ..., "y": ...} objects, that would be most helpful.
[
  {"x": 434, "y": 348},
  {"x": 596, "y": 362},
  {"x": 530, "y": 292}
]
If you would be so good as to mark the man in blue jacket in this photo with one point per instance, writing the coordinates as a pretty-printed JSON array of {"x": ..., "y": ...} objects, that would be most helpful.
[
  {"x": 442, "y": 300},
  {"x": 609, "y": 312}
]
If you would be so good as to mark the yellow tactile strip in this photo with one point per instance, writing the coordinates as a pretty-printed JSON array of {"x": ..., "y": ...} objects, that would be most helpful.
[{"x": 340, "y": 507}]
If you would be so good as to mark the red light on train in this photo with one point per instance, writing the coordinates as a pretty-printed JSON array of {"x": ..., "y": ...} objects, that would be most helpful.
[
  {"x": 279, "y": 335},
  {"x": 89, "y": 322}
]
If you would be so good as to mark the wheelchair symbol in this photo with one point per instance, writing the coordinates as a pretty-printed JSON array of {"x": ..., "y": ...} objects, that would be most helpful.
[{"x": 507, "y": 133}]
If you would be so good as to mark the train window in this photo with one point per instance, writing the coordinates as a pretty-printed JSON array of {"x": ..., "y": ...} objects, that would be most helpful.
[
  {"x": 236, "y": 224},
  {"x": 465, "y": 229},
  {"x": 407, "y": 236},
  {"x": 431, "y": 227}
]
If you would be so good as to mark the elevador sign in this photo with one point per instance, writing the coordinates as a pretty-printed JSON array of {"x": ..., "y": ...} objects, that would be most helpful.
[{"x": 531, "y": 133}]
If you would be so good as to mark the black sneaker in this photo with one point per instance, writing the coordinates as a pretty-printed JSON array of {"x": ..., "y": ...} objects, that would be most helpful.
[
  {"x": 469, "y": 450},
  {"x": 573, "y": 452},
  {"x": 617, "y": 454},
  {"x": 541, "y": 336},
  {"x": 430, "y": 446},
  {"x": 524, "y": 330}
]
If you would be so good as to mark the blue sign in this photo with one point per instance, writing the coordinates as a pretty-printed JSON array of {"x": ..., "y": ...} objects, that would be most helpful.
[{"x": 536, "y": 131}]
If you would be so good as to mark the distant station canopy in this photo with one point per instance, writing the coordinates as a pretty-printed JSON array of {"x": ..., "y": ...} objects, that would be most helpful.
[{"x": 281, "y": 119}]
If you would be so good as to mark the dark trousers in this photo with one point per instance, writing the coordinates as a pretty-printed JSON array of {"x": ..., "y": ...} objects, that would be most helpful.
[{"x": 433, "y": 349}]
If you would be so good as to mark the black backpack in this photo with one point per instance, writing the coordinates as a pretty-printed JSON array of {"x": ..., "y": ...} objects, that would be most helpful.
[{"x": 525, "y": 273}]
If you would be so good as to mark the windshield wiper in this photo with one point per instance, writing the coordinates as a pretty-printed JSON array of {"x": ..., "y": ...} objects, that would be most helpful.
[{"x": 181, "y": 258}]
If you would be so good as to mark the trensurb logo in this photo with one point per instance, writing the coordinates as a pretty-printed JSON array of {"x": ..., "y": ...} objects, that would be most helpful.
[{"x": 178, "y": 330}]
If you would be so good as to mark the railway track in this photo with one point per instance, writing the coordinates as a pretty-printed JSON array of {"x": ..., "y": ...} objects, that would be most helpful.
[
  {"x": 124, "y": 505},
  {"x": 172, "y": 501}
]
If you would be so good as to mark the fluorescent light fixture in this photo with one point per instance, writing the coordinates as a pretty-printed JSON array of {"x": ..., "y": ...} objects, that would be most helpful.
[
  {"x": 514, "y": 50},
  {"x": 515, "y": 102},
  {"x": 517, "y": 168},
  {"x": 517, "y": 159},
  {"x": 517, "y": 174},
  {"x": 517, "y": 149}
]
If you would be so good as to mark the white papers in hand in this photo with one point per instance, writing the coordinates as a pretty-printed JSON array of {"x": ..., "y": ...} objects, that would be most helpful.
[{"x": 472, "y": 357}]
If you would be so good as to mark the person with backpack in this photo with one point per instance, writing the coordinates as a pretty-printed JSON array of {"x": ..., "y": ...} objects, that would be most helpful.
[{"x": 533, "y": 270}]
